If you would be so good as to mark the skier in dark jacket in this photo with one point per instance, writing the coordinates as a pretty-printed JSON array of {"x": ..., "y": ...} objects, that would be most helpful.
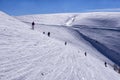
[
  {"x": 43, "y": 32},
  {"x": 48, "y": 34},
  {"x": 85, "y": 54},
  {"x": 65, "y": 43},
  {"x": 33, "y": 25},
  {"x": 105, "y": 64}
]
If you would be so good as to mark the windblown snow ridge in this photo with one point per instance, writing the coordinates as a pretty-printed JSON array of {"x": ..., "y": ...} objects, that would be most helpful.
[
  {"x": 112, "y": 55},
  {"x": 103, "y": 27}
]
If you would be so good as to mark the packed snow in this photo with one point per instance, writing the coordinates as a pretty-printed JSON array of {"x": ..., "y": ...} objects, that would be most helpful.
[
  {"x": 27, "y": 54},
  {"x": 102, "y": 27}
]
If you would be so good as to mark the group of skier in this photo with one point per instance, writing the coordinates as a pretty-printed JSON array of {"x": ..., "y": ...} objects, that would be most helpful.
[
  {"x": 33, "y": 27},
  {"x": 105, "y": 63}
]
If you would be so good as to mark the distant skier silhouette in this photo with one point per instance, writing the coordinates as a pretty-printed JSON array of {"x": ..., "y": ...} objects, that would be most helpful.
[
  {"x": 43, "y": 32},
  {"x": 48, "y": 34},
  {"x": 105, "y": 64},
  {"x": 65, "y": 43},
  {"x": 33, "y": 25},
  {"x": 85, "y": 54},
  {"x": 42, "y": 74}
]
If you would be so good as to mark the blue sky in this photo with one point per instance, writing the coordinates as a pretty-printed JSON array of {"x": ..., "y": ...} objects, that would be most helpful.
[{"x": 23, "y": 7}]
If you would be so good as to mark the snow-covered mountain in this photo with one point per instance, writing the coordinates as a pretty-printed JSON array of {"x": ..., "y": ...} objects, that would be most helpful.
[
  {"x": 27, "y": 54},
  {"x": 101, "y": 29}
]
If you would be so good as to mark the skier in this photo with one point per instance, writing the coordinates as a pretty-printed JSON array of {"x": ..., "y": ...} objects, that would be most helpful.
[
  {"x": 33, "y": 25},
  {"x": 65, "y": 43},
  {"x": 85, "y": 54},
  {"x": 48, "y": 34},
  {"x": 42, "y": 74},
  {"x": 43, "y": 32},
  {"x": 105, "y": 64}
]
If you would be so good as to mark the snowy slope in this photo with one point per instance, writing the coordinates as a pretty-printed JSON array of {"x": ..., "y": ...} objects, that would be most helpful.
[
  {"x": 101, "y": 27},
  {"x": 98, "y": 19},
  {"x": 27, "y": 54},
  {"x": 92, "y": 19},
  {"x": 47, "y": 19}
]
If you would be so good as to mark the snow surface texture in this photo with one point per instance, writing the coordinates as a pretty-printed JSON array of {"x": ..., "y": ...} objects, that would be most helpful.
[
  {"x": 103, "y": 29},
  {"x": 27, "y": 54}
]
